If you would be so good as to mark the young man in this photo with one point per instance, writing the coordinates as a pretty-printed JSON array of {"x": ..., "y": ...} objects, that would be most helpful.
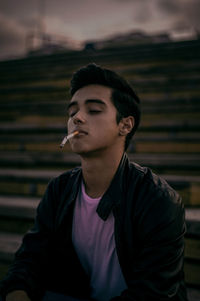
[{"x": 109, "y": 229}]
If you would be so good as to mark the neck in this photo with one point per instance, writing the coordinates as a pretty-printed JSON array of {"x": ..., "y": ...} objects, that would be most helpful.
[{"x": 98, "y": 172}]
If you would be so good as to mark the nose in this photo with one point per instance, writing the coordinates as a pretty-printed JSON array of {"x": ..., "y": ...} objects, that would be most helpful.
[{"x": 78, "y": 118}]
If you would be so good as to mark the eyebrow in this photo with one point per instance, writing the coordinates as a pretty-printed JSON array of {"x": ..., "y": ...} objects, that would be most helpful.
[{"x": 88, "y": 101}]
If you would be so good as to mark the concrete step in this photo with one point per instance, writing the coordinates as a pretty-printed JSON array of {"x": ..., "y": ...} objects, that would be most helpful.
[
  {"x": 156, "y": 52},
  {"x": 24, "y": 208},
  {"x": 45, "y": 175},
  {"x": 9, "y": 243},
  {"x": 162, "y": 126},
  {"x": 193, "y": 294},
  {"x": 146, "y": 70},
  {"x": 30, "y": 182},
  {"x": 62, "y": 159},
  {"x": 17, "y": 213},
  {"x": 140, "y": 136},
  {"x": 27, "y": 175},
  {"x": 146, "y": 85},
  {"x": 142, "y": 142},
  {"x": 18, "y": 207}
]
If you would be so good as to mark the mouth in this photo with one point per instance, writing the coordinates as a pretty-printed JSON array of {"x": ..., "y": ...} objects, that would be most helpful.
[{"x": 81, "y": 133}]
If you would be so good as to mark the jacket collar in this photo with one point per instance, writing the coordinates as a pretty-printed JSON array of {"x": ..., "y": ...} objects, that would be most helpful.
[{"x": 112, "y": 196}]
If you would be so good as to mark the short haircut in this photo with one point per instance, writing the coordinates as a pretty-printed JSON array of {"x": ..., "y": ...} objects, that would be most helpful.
[{"x": 123, "y": 96}]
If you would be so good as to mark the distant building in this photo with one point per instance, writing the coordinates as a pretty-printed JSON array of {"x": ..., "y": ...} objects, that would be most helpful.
[
  {"x": 127, "y": 39},
  {"x": 47, "y": 49}
]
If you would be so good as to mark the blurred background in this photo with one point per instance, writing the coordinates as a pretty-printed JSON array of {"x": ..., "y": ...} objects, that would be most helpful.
[
  {"x": 49, "y": 25},
  {"x": 154, "y": 44}
]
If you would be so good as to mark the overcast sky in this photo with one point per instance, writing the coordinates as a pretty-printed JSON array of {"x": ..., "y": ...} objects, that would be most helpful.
[{"x": 80, "y": 20}]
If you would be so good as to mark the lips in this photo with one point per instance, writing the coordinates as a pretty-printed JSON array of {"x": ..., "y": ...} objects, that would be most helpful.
[{"x": 81, "y": 132}]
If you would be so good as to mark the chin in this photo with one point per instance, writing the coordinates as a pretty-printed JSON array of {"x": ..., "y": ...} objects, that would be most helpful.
[
  {"x": 85, "y": 152},
  {"x": 80, "y": 151},
  {"x": 80, "y": 148}
]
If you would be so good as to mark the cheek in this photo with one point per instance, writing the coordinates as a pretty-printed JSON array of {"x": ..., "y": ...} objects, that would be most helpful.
[
  {"x": 69, "y": 123},
  {"x": 106, "y": 129},
  {"x": 104, "y": 121}
]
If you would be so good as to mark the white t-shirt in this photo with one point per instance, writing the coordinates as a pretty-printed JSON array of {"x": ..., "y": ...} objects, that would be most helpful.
[{"x": 94, "y": 242}]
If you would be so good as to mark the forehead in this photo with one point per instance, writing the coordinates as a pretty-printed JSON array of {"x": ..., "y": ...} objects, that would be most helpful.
[{"x": 93, "y": 92}]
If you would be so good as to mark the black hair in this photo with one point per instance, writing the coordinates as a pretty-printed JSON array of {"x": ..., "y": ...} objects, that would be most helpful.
[{"x": 123, "y": 96}]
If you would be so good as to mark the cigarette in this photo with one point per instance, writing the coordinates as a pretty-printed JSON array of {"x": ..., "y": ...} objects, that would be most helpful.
[{"x": 66, "y": 138}]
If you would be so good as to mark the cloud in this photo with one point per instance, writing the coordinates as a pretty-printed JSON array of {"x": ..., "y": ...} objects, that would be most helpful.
[
  {"x": 88, "y": 19},
  {"x": 12, "y": 37},
  {"x": 92, "y": 19},
  {"x": 169, "y": 7},
  {"x": 181, "y": 12},
  {"x": 192, "y": 13},
  {"x": 142, "y": 12},
  {"x": 18, "y": 8}
]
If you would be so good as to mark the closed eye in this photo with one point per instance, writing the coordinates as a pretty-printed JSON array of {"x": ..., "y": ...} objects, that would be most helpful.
[
  {"x": 71, "y": 112},
  {"x": 95, "y": 111}
]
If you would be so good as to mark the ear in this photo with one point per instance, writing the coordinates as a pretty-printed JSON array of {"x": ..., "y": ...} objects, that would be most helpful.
[{"x": 126, "y": 125}]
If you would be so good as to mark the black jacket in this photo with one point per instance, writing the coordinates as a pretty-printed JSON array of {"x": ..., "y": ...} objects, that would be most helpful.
[{"x": 149, "y": 235}]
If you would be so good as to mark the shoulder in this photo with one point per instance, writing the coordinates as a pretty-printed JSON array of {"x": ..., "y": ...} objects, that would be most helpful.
[
  {"x": 59, "y": 188},
  {"x": 152, "y": 197},
  {"x": 150, "y": 183},
  {"x": 64, "y": 178},
  {"x": 156, "y": 204},
  {"x": 61, "y": 185}
]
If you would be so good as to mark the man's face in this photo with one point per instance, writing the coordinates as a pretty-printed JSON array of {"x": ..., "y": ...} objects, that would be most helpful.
[{"x": 92, "y": 113}]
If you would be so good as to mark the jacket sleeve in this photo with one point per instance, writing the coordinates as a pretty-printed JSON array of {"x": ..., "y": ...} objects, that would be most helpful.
[
  {"x": 155, "y": 267},
  {"x": 27, "y": 271}
]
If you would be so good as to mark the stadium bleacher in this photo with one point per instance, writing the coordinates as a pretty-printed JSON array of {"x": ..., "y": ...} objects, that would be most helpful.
[{"x": 34, "y": 93}]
